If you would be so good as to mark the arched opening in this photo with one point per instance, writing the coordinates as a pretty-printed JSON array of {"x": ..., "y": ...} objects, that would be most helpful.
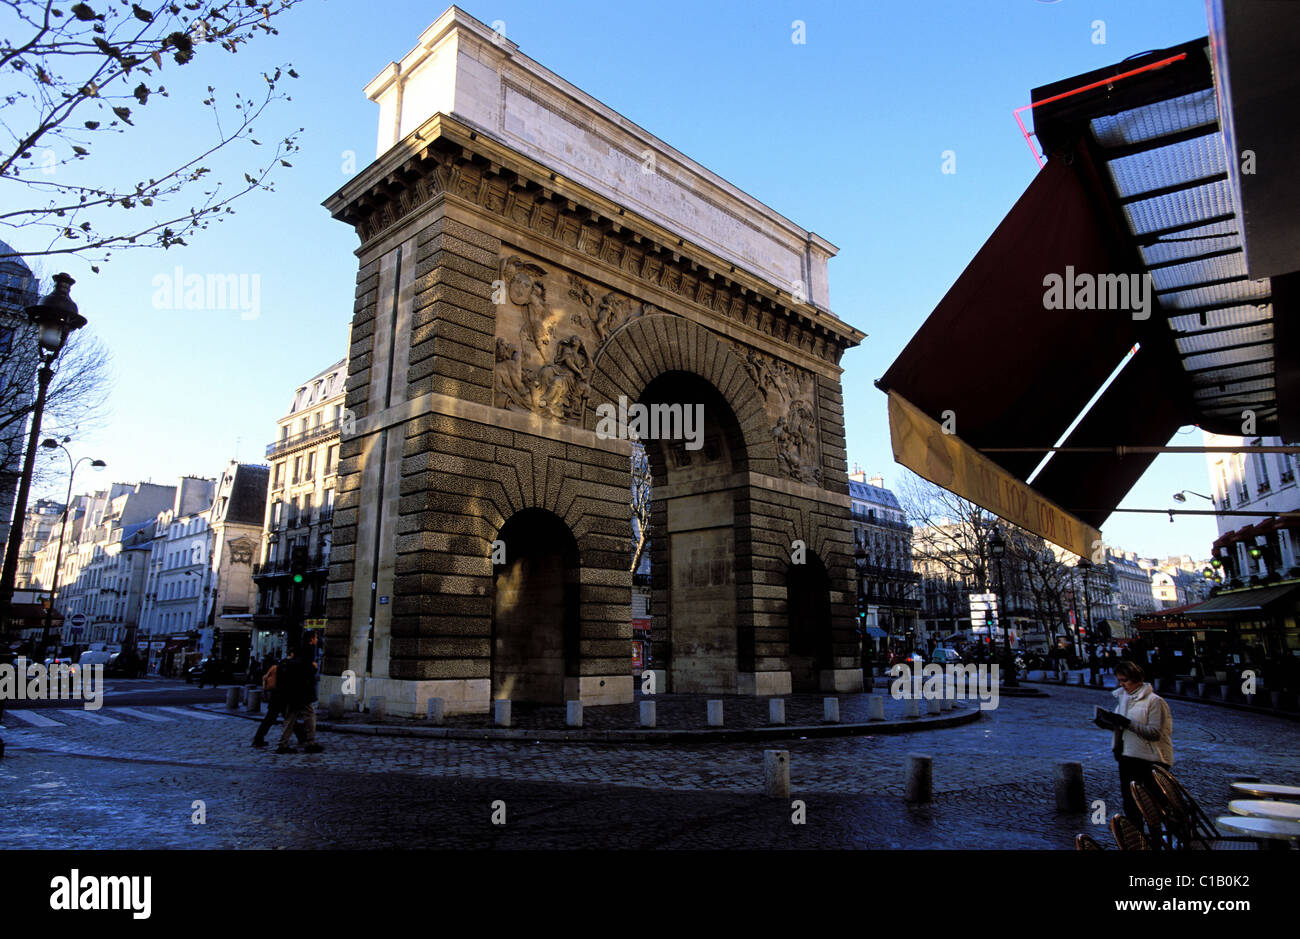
[
  {"x": 693, "y": 449},
  {"x": 535, "y": 609},
  {"x": 808, "y": 608}
]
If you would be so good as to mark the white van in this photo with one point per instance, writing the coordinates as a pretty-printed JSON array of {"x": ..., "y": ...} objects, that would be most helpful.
[{"x": 94, "y": 658}]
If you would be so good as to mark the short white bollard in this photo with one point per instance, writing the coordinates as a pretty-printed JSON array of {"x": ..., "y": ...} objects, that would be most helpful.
[
  {"x": 831, "y": 710},
  {"x": 647, "y": 714},
  {"x": 776, "y": 711},
  {"x": 378, "y": 707},
  {"x": 911, "y": 707},
  {"x": 776, "y": 773},
  {"x": 437, "y": 711},
  {"x": 254, "y": 704},
  {"x": 920, "y": 778},
  {"x": 715, "y": 713},
  {"x": 934, "y": 706},
  {"x": 501, "y": 712},
  {"x": 876, "y": 707},
  {"x": 232, "y": 698},
  {"x": 573, "y": 713}
]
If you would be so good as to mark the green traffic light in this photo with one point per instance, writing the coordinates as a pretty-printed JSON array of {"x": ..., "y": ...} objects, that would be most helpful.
[{"x": 297, "y": 578}]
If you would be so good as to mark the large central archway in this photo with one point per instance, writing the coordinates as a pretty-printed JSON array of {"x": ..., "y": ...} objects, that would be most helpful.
[
  {"x": 693, "y": 517},
  {"x": 534, "y": 609}
]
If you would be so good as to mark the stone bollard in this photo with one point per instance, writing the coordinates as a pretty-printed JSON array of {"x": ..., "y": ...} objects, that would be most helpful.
[
  {"x": 1225, "y": 692},
  {"x": 501, "y": 712},
  {"x": 911, "y": 707},
  {"x": 254, "y": 704},
  {"x": 337, "y": 707},
  {"x": 232, "y": 699},
  {"x": 436, "y": 711},
  {"x": 949, "y": 693},
  {"x": 776, "y": 773},
  {"x": 378, "y": 707},
  {"x": 573, "y": 713},
  {"x": 715, "y": 713},
  {"x": 876, "y": 708},
  {"x": 647, "y": 714},
  {"x": 934, "y": 706},
  {"x": 1069, "y": 788},
  {"x": 920, "y": 778},
  {"x": 776, "y": 711},
  {"x": 831, "y": 710}
]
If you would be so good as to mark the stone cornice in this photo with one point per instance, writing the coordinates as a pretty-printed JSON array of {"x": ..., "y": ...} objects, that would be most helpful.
[{"x": 447, "y": 156}]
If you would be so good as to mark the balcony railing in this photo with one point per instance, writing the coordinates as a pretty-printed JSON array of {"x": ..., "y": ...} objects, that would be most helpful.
[
  {"x": 315, "y": 562},
  {"x": 327, "y": 429},
  {"x": 860, "y": 516}
]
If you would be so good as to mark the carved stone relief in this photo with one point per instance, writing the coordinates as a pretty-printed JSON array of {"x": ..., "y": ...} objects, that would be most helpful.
[
  {"x": 548, "y": 334},
  {"x": 788, "y": 395}
]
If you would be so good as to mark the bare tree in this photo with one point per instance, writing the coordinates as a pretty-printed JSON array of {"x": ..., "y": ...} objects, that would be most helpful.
[
  {"x": 640, "y": 504},
  {"x": 74, "y": 405},
  {"x": 73, "y": 69},
  {"x": 1047, "y": 580}
]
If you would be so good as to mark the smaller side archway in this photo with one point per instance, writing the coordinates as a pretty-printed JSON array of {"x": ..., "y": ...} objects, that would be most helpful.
[
  {"x": 808, "y": 612},
  {"x": 535, "y": 609}
]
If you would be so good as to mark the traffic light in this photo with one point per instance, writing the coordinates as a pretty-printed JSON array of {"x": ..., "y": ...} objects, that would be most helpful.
[{"x": 298, "y": 563}]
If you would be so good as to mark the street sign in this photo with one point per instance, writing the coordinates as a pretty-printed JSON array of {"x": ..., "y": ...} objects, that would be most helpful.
[
  {"x": 77, "y": 620},
  {"x": 983, "y": 596}
]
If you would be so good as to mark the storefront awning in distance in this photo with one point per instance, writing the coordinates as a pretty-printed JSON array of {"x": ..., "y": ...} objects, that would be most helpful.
[{"x": 1255, "y": 600}]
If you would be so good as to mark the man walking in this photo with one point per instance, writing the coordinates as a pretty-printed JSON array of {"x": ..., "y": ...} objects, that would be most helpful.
[
  {"x": 274, "y": 707},
  {"x": 296, "y": 680}
]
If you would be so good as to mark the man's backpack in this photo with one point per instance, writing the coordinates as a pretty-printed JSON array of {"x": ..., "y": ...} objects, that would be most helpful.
[{"x": 268, "y": 680}]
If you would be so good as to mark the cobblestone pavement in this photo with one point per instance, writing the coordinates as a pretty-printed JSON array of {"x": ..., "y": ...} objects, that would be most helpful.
[{"x": 127, "y": 776}]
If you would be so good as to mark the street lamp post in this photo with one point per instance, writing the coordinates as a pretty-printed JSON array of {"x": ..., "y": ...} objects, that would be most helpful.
[
  {"x": 1090, "y": 645},
  {"x": 50, "y": 443},
  {"x": 998, "y": 548},
  {"x": 55, "y": 317}
]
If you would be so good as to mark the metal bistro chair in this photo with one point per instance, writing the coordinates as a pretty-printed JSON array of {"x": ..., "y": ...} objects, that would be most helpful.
[
  {"x": 1188, "y": 827},
  {"x": 1128, "y": 837},
  {"x": 1087, "y": 843},
  {"x": 1161, "y": 836}
]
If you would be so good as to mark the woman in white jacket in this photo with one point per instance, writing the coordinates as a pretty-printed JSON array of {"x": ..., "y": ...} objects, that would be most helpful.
[{"x": 1146, "y": 737}]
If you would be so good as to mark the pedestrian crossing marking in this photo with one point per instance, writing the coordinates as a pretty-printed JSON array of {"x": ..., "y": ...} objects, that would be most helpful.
[
  {"x": 199, "y": 714},
  {"x": 31, "y": 717},
  {"x": 92, "y": 716},
  {"x": 142, "y": 715}
]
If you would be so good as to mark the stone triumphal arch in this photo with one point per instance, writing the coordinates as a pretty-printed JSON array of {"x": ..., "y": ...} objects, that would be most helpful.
[{"x": 527, "y": 256}]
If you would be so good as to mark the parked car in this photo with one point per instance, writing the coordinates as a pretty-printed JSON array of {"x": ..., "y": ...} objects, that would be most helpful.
[
  {"x": 945, "y": 656},
  {"x": 124, "y": 665},
  {"x": 209, "y": 671}
]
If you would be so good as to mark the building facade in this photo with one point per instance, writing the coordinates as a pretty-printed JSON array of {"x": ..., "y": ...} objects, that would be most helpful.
[
  {"x": 179, "y": 589},
  {"x": 18, "y": 362},
  {"x": 889, "y": 594},
  {"x": 43, "y": 522},
  {"x": 1251, "y": 547},
  {"x": 299, "y": 518}
]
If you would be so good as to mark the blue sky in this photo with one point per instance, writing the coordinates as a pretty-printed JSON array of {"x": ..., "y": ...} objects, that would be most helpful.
[{"x": 843, "y": 134}]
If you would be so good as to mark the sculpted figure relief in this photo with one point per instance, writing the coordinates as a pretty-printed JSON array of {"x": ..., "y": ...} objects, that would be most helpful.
[
  {"x": 548, "y": 370},
  {"x": 787, "y": 393}
]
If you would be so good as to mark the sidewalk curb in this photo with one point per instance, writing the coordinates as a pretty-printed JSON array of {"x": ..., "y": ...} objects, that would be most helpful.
[
  {"x": 703, "y": 735},
  {"x": 1195, "y": 699}
]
